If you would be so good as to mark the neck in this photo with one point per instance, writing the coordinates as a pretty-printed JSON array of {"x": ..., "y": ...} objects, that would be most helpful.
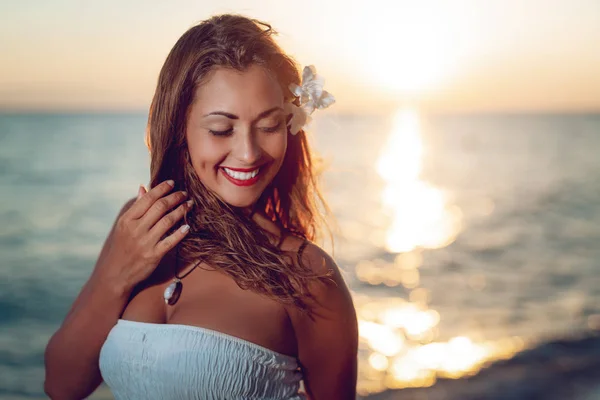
[
  {"x": 268, "y": 226},
  {"x": 248, "y": 211}
]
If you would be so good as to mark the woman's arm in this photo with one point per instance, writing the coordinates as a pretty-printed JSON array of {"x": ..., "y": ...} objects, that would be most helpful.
[
  {"x": 327, "y": 342},
  {"x": 71, "y": 356},
  {"x": 130, "y": 254}
]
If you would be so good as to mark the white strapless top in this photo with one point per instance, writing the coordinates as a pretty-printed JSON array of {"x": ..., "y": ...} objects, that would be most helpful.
[{"x": 141, "y": 360}]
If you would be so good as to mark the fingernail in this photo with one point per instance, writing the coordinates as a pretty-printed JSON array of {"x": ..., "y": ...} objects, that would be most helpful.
[
  {"x": 189, "y": 203},
  {"x": 184, "y": 228},
  {"x": 140, "y": 192},
  {"x": 171, "y": 182}
]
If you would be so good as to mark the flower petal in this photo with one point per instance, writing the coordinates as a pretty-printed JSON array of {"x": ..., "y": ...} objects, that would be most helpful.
[
  {"x": 299, "y": 117},
  {"x": 314, "y": 87},
  {"x": 305, "y": 98},
  {"x": 325, "y": 100},
  {"x": 308, "y": 73},
  {"x": 311, "y": 96},
  {"x": 309, "y": 107},
  {"x": 295, "y": 89}
]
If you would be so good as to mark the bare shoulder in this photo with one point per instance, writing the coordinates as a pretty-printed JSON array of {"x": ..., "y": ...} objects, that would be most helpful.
[
  {"x": 330, "y": 295},
  {"x": 327, "y": 337},
  {"x": 311, "y": 255}
]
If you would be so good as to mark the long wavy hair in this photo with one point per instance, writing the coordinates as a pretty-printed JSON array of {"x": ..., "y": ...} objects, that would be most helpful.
[{"x": 221, "y": 235}]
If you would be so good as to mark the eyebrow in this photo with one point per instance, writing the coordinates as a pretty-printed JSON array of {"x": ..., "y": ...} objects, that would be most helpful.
[{"x": 233, "y": 116}]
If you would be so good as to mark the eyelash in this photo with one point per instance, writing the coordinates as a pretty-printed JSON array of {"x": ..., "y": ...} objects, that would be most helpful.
[
  {"x": 272, "y": 129},
  {"x": 228, "y": 132},
  {"x": 221, "y": 133}
]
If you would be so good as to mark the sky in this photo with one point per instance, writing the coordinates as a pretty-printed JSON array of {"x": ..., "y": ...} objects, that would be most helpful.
[{"x": 452, "y": 55}]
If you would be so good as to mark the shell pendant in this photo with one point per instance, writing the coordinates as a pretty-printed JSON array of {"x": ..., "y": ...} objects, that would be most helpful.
[{"x": 173, "y": 292}]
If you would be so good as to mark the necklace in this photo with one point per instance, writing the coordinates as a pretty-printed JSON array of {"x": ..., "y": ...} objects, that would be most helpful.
[{"x": 173, "y": 291}]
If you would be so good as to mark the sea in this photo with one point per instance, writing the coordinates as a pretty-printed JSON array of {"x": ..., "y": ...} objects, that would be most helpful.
[{"x": 470, "y": 243}]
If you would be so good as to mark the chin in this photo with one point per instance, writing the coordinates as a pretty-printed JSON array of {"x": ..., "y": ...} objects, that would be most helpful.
[{"x": 240, "y": 202}]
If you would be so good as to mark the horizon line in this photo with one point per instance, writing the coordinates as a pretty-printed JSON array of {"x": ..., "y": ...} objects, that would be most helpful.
[{"x": 424, "y": 110}]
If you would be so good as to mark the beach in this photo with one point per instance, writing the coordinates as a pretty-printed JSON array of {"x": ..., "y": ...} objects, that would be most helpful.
[{"x": 564, "y": 369}]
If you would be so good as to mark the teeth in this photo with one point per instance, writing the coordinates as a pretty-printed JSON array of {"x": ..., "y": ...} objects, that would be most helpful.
[{"x": 242, "y": 176}]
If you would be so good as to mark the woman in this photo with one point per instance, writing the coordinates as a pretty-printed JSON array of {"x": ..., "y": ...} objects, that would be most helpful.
[{"x": 208, "y": 286}]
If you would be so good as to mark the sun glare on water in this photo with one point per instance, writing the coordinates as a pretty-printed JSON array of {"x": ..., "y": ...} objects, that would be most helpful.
[
  {"x": 398, "y": 347},
  {"x": 419, "y": 212},
  {"x": 398, "y": 336}
]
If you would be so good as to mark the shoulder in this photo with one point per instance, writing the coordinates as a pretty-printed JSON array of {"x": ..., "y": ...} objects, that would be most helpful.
[
  {"x": 319, "y": 262},
  {"x": 311, "y": 255},
  {"x": 327, "y": 337},
  {"x": 330, "y": 296}
]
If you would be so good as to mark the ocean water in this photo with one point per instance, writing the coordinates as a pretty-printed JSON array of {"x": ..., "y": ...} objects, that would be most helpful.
[{"x": 465, "y": 239}]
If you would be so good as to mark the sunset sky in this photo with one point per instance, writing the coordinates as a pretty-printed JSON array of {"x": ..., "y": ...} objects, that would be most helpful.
[{"x": 453, "y": 55}]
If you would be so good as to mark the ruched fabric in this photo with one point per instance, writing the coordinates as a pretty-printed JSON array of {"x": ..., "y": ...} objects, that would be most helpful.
[{"x": 141, "y": 360}]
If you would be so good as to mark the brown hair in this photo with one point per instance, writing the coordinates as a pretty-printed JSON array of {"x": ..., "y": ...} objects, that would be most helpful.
[{"x": 221, "y": 235}]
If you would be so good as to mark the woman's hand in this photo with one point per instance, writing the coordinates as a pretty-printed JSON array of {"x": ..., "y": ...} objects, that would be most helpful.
[
  {"x": 131, "y": 252},
  {"x": 137, "y": 245}
]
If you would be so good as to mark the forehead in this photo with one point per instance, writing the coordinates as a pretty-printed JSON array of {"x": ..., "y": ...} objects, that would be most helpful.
[{"x": 243, "y": 93}]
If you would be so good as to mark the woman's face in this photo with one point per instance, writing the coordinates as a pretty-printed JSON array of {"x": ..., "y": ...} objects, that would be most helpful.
[{"x": 236, "y": 133}]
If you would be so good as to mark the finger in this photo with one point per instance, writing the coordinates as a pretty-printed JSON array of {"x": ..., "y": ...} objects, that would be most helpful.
[
  {"x": 160, "y": 208},
  {"x": 164, "y": 224},
  {"x": 141, "y": 191},
  {"x": 140, "y": 207},
  {"x": 168, "y": 243}
]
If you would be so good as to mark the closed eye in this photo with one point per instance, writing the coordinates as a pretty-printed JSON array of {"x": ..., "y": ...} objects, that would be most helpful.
[
  {"x": 272, "y": 129},
  {"x": 269, "y": 129},
  {"x": 221, "y": 133}
]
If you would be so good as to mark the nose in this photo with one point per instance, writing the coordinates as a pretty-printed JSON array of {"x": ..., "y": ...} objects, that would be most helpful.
[{"x": 248, "y": 150}]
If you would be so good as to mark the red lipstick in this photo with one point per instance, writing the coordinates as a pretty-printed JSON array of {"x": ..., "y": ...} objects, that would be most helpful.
[
  {"x": 238, "y": 182},
  {"x": 241, "y": 169}
]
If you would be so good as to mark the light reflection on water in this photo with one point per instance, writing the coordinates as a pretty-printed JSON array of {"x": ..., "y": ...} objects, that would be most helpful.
[
  {"x": 420, "y": 213},
  {"x": 398, "y": 337}
]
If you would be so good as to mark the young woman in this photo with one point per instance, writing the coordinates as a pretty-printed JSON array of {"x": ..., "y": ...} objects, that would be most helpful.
[{"x": 208, "y": 285}]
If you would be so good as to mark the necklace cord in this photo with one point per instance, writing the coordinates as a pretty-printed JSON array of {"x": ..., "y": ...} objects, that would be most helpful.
[{"x": 177, "y": 266}]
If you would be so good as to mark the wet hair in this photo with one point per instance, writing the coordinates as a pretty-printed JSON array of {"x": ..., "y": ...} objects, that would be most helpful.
[{"x": 222, "y": 236}]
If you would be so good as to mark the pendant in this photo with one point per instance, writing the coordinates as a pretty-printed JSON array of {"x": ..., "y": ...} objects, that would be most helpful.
[{"x": 173, "y": 292}]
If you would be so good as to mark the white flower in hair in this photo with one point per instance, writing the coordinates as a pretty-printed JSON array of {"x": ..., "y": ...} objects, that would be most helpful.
[
  {"x": 299, "y": 118},
  {"x": 311, "y": 95}
]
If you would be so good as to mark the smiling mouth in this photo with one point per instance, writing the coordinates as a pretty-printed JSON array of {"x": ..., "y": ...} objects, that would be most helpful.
[
  {"x": 239, "y": 175},
  {"x": 242, "y": 177}
]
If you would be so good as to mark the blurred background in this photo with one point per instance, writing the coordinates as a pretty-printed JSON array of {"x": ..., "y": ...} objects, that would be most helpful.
[{"x": 462, "y": 169}]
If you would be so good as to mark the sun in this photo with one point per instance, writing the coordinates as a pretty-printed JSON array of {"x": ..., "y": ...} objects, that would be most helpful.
[
  {"x": 405, "y": 62},
  {"x": 404, "y": 48}
]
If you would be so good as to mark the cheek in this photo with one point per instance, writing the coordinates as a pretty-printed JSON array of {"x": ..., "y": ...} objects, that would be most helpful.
[
  {"x": 204, "y": 154},
  {"x": 276, "y": 147}
]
